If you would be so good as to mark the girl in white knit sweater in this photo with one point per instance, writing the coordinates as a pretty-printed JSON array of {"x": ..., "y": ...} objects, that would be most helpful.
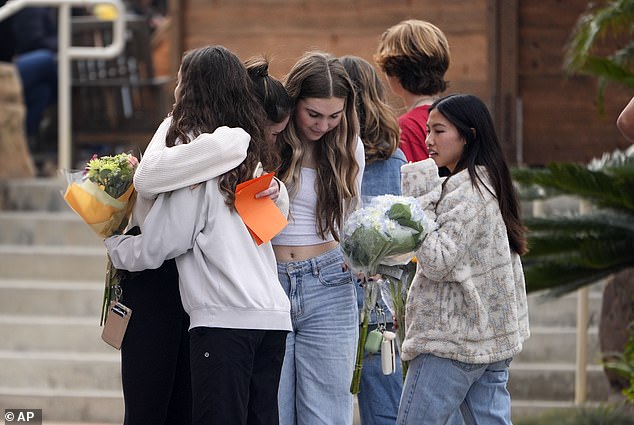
[
  {"x": 466, "y": 313},
  {"x": 239, "y": 313}
]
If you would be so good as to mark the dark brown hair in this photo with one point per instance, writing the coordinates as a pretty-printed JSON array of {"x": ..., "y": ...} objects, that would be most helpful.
[
  {"x": 215, "y": 90},
  {"x": 271, "y": 92},
  {"x": 473, "y": 121}
]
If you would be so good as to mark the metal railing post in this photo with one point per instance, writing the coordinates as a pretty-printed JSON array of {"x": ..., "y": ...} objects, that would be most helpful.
[
  {"x": 581, "y": 367},
  {"x": 64, "y": 117},
  {"x": 66, "y": 53}
]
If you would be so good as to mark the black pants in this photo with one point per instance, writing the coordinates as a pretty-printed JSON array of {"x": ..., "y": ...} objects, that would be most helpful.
[
  {"x": 155, "y": 350},
  {"x": 236, "y": 375}
]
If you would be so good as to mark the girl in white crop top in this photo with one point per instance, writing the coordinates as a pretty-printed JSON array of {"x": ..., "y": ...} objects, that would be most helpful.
[{"x": 322, "y": 164}]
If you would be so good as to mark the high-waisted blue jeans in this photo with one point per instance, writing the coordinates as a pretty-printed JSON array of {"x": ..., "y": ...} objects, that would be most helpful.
[
  {"x": 439, "y": 391},
  {"x": 321, "y": 349}
]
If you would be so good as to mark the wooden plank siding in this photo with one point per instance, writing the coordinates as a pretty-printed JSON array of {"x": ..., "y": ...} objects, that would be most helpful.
[
  {"x": 560, "y": 118},
  {"x": 503, "y": 62},
  {"x": 508, "y": 52},
  {"x": 284, "y": 29}
]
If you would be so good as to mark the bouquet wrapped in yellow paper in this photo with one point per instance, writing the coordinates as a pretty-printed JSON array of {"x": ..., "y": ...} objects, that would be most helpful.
[{"x": 103, "y": 195}]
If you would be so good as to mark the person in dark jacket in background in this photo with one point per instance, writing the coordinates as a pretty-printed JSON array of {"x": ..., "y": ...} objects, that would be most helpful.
[{"x": 29, "y": 40}]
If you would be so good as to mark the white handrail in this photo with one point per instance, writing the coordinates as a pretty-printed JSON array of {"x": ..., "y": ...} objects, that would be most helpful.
[{"x": 67, "y": 52}]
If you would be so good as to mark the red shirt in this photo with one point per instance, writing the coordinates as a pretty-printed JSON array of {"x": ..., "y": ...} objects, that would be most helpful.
[{"x": 414, "y": 133}]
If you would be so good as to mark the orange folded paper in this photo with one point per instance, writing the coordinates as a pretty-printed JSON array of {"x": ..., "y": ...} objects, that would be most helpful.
[{"x": 261, "y": 216}]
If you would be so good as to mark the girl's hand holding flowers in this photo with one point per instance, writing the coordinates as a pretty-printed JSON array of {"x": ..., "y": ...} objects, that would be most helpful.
[
  {"x": 103, "y": 196},
  {"x": 386, "y": 232}
]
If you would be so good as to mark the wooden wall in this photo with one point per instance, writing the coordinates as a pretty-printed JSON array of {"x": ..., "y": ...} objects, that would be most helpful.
[
  {"x": 284, "y": 29},
  {"x": 508, "y": 52},
  {"x": 560, "y": 121}
]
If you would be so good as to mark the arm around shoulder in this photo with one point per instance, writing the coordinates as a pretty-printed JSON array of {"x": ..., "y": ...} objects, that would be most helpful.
[
  {"x": 169, "y": 230},
  {"x": 207, "y": 156}
]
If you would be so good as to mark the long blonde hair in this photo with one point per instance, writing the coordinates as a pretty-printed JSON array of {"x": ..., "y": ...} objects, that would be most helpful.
[
  {"x": 321, "y": 75},
  {"x": 377, "y": 120}
]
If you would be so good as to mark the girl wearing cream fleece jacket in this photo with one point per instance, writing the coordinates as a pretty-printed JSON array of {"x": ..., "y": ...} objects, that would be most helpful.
[{"x": 466, "y": 312}]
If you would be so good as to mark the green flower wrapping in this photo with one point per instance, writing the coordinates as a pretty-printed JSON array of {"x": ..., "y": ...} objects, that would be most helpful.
[{"x": 386, "y": 231}]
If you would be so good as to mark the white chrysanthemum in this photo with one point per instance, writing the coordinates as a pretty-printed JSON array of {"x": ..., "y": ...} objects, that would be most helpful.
[{"x": 371, "y": 237}]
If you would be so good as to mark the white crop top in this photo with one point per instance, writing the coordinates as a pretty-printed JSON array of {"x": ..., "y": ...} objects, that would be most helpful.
[{"x": 302, "y": 221}]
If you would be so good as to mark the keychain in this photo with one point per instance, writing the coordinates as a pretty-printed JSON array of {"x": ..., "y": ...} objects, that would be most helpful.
[
  {"x": 375, "y": 337},
  {"x": 388, "y": 353}
]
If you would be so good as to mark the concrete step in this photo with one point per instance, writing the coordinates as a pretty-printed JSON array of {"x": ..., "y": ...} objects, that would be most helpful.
[
  {"x": 61, "y": 370},
  {"x": 529, "y": 408},
  {"x": 557, "y": 205},
  {"x": 67, "y": 406},
  {"x": 70, "y": 263},
  {"x": 554, "y": 382},
  {"x": 562, "y": 311},
  {"x": 24, "y": 334},
  {"x": 557, "y": 344},
  {"x": 51, "y": 297},
  {"x": 41, "y": 194},
  {"x": 45, "y": 228}
]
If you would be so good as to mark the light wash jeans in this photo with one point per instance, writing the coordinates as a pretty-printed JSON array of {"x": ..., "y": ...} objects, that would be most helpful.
[
  {"x": 435, "y": 388},
  {"x": 379, "y": 394},
  {"x": 321, "y": 349}
]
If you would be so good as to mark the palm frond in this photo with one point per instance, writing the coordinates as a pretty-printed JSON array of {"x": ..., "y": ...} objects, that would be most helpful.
[
  {"x": 614, "y": 17},
  {"x": 607, "y": 69},
  {"x": 602, "y": 223},
  {"x": 613, "y": 160},
  {"x": 557, "y": 279},
  {"x": 625, "y": 55},
  {"x": 568, "y": 251},
  {"x": 607, "y": 187}
]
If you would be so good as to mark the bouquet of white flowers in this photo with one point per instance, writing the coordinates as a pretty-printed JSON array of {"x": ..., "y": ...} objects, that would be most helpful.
[{"x": 385, "y": 232}]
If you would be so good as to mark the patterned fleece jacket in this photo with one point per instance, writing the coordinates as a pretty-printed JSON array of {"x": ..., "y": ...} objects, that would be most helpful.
[{"x": 467, "y": 301}]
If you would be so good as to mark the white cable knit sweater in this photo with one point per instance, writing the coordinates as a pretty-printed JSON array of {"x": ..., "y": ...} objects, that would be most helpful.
[
  {"x": 207, "y": 156},
  {"x": 468, "y": 299}
]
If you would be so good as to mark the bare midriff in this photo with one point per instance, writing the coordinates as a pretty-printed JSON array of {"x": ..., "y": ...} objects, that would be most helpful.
[{"x": 286, "y": 254}]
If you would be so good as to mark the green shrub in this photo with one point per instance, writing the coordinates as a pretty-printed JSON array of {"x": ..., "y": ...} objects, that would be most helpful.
[{"x": 623, "y": 364}]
